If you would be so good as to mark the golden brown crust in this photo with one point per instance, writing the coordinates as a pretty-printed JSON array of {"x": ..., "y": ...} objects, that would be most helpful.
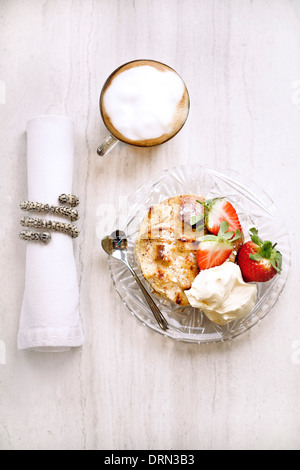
[{"x": 166, "y": 247}]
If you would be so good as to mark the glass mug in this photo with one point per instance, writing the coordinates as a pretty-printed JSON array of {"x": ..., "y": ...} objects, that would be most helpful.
[{"x": 142, "y": 103}]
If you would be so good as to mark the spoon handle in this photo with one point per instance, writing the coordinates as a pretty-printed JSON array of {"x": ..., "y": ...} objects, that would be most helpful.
[{"x": 155, "y": 310}]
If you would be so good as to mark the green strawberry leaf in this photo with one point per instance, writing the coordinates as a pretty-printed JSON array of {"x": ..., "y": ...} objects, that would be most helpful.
[
  {"x": 254, "y": 236},
  {"x": 276, "y": 261},
  {"x": 266, "y": 249},
  {"x": 256, "y": 256},
  {"x": 211, "y": 238},
  {"x": 237, "y": 236},
  {"x": 228, "y": 235},
  {"x": 223, "y": 229}
]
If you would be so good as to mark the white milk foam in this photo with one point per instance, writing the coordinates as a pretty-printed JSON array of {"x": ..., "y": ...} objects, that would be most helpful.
[{"x": 142, "y": 102}]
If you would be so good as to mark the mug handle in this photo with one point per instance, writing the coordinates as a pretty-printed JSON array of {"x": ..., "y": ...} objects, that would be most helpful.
[{"x": 109, "y": 143}]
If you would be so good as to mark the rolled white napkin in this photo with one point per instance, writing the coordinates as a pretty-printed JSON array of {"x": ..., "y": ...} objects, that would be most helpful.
[{"x": 50, "y": 319}]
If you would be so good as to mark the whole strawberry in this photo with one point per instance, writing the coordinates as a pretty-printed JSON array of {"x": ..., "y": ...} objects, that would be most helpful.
[{"x": 259, "y": 260}]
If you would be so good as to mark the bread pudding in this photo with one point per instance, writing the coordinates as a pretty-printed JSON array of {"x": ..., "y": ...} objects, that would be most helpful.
[{"x": 167, "y": 242}]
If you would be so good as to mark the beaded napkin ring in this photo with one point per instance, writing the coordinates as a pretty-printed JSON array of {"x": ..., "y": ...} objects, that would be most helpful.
[{"x": 34, "y": 222}]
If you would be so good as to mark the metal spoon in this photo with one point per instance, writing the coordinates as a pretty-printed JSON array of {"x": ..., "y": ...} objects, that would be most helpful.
[{"x": 116, "y": 246}]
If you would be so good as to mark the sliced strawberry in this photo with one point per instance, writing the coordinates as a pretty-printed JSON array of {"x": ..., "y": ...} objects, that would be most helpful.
[
  {"x": 214, "y": 250},
  {"x": 258, "y": 260},
  {"x": 218, "y": 210},
  {"x": 212, "y": 253}
]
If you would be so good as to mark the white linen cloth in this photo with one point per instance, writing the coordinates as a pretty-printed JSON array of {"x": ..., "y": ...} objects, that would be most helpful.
[{"x": 50, "y": 319}]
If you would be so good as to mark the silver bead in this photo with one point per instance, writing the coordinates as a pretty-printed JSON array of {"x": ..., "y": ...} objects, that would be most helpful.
[
  {"x": 29, "y": 235},
  {"x": 69, "y": 199}
]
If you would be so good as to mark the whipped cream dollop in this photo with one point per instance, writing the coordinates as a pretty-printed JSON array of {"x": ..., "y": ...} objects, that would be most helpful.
[{"x": 222, "y": 294}]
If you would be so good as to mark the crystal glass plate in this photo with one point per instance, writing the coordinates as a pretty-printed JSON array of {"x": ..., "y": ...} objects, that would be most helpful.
[{"x": 255, "y": 209}]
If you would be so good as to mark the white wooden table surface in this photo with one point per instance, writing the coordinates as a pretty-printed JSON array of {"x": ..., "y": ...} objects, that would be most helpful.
[{"x": 127, "y": 387}]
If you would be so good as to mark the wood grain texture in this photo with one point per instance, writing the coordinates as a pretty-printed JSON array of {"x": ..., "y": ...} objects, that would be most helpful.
[{"x": 128, "y": 388}]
